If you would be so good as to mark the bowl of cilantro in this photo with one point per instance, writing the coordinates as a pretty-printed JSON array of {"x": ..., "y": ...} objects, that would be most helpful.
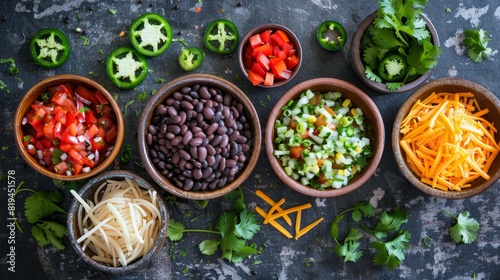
[{"x": 395, "y": 50}]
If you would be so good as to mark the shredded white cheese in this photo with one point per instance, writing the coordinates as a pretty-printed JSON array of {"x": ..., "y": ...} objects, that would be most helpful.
[{"x": 120, "y": 224}]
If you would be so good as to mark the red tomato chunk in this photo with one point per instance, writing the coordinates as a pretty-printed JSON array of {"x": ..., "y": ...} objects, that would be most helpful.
[
  {"x": 70, "y": 130},
  {"x": 269, "y": 57}
]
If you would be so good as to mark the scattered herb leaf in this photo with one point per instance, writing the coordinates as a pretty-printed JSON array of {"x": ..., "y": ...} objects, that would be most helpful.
[
  {"x": 476, "y": 42},
  {"x": 85, "y": 40},
  {"x": 465, "y": 229}
]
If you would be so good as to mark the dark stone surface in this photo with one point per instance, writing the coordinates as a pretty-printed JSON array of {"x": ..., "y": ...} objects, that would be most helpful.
[{"x": 280, "y": 258}]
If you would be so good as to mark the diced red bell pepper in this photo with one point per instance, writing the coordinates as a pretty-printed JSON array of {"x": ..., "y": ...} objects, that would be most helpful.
[
  {"x": 254, "y": 78},
  {"x": 277, "y": 65},
  {"x": 269, "y": 79},
  {"x": 263, "y": 61},
  {"x": 68, "y": 138},
  {"x": 256, "y": 68},
  {"x": 292, "y": 62},
  {"x": 288, "y": 48},
  {"x": 255, "y": 41},
  {"x": 277, "y": 39},
  {"x": 266, "y": 36},
  {"x": 285, "y": 75},
  {"x": 266, "y": 49}
]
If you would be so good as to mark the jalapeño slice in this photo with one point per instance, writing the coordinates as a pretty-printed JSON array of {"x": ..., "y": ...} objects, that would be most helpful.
[
  {"x": 50, "y": 48},
  {"x": 150, "y": 34},
  {"x": 221, "y": 36},
  {"x": 331, "y": 35},
  {"x": 126, "y": 67},
  {"x": 190, "y": 58}
]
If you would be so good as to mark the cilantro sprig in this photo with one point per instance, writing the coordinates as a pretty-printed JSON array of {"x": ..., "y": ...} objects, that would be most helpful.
[
  {"x": 399, "y": 29},
  {"x": 234, "y": 228},
  {"x": 476, "y": 42},
  {"x": 465, "y": 229},
  {"x": 38, "y": 208},
  {"x": 390, "y": 242}
]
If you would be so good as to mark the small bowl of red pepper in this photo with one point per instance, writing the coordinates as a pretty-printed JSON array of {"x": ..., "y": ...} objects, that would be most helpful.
[
  {"x": 68, "y": 127},
  {"x": 270, "y": 55}
]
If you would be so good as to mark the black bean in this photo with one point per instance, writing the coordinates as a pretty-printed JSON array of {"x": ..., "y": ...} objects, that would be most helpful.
[
  {"x": 163, "y": 128},
  {"x": 176, "y": 158},
  {"x": 161, "y": 110},
  {"x": 161, "y": 164},
  {"x": 194, "y": 94},
  {"x": 218, "y": 98},
  {"x": 152, "y": 129},
  {"x": 204, "y": 93},
  {"x": 207, "y": 172},
  {"x": 176, "y": 141},
  {"x": 153, "y": 153},
  {"x": 210, "y": 150},
  {"x": 202, "y": 153},
  {"x": 216, "y": 141},
  {"x": 174, "y": 120},
  {"x": 187, "y": 137},
  {"x": 208, "y": 113},
  {"x": 196, "y": 87},
  {"x": 222, "y": 164},
  {"x": 212, "y": 128},
  {"x": 233, "y": 149},
  {"x": 197, "y": 173},
  {"x": 171, "y": 111},
  {"x": 224, "y": 141},
  {"x": 241, "y": 140},
  {"x": 163, "y": 141},
  {"x": 221, "y": 130},
  {"x": 175, "y": 129},
  {"x": 235, "y": 112},
  {"x": 185, "y": 155},
  {"x": 228, "y": 99},
  {"x": 234, "y": 135},
  {"x": 234, "y": 170},
  {"x": 149, "y": 139},
  {"x": 188, "y": 184},
  {"x": 200, "y": 134},
  {"x": 187, "y": 173},
  {"x": 178, "y": 96},
  {"x": 182, "y": 114},
  {"x": 210, "y": 160},
  {"x": 187, "y": 105},
  {"x": 196, "y": 186},
  {"x": 222, "y": 182},
  {"x": 185, "y": 90},
  {"x": 217, "y": 116},
  {"x": 169, "y": 135},
  {"x": 196, "y": 142}
]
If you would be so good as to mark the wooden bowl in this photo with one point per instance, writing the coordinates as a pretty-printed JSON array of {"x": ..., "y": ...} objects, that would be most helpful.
[
  {"x": 87, "y": 192},
  {"x": 358, "y": 67},
  {"x": 173, "y": 88},
  {"x": 35, "y": 93},
  {"x": 273, "y": 27},
  {"x": 372, "y": 117},
  {"x": 484, "y": 98}
]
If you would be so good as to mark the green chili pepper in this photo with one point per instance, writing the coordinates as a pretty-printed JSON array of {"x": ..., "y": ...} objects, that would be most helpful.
[
  {"x": 190, "y": 58},
  {"x": 221, "y": 36},
  {"x": 50, "y": 48},
  {"x": 126, "y": 67},
  {"x": 331, "y": 35},
  {"x": 150, "y": 34},
  {"x": 126, "y": 154},
  {"x": 393, "y": 68}
]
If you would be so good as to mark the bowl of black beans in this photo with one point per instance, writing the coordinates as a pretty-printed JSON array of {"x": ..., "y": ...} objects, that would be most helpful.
[{"x": 199, "y": 137}]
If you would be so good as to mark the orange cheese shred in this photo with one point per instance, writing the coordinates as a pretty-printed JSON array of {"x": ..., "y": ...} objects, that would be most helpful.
[
  {"x": 271, "y": 202},
  {"x": 307, "y": 228},
  {"x": 273, "y": 223},
  {"x": 447, "y": 142}
]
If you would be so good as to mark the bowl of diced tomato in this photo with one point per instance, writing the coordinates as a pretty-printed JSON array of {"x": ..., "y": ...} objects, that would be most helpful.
[
  {"x": 270, "y": 55},
  {"x": 68, "y": 127},
  {"x": 324, "y": 137}
]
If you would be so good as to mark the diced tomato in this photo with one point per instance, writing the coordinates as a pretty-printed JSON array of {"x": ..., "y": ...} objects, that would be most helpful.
[
  {"x": 287, "y": 48},
  {"x": 277, "y": 39},
  {"x": 100, "y": 98},
  {"x": 60, "y": 122},
  {"x": 84, "y": 92},
  {"x": 269, "y": 79},
  {"x": 48, "y": 131},
  {"x": 254, "y": 78},
  {"x": 283, "y": 35},
  {"x": 37, "y": 118},
  {"x": 105, "y": 121},
  {"x": 68, "y": 138},
  {"x": 91, "y": 132},
  {"x": 111, "y": 134},
  {"x": 99, "y": 145},
  {"x": 77, "y": 169},
  {"x": 61, "y": 167},
  {"x": 255, "y": 41}
]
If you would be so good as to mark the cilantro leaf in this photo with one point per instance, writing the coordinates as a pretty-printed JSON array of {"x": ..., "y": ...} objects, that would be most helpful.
[
  {"x": 361, "y": 209},
  {"x": 49, "y": 233},
  {"x": 226, "y": 223},
  {"x": 56, "y": 156},
  {"x": 247, "y": 226},
  {"x": 391, "y": 253},
  {"x": 465, "y": 230},
  {"x": 390, "y": 221},
  {"x": 209, "y": 246},
  {"x": 175, "y": 230},
  {"x": 350, "y": 249},
  {"x": 423, "y": 57},
  {"x": 370, "y": 75},
  {"x": 334, "y": 230},
  {"x": 42, "y": 204},
  {"x": 476, "y": 42},
  {"x": 394, "y": 85}
]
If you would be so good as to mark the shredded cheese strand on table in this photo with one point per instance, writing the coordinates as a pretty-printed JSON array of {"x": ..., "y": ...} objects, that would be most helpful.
[{"x": 447, "y": 142}]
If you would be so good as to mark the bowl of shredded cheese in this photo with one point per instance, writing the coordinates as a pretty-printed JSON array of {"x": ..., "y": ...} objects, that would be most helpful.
[
  {"x": 117, "y": 222},
  {"x": 445, "y": 138}
]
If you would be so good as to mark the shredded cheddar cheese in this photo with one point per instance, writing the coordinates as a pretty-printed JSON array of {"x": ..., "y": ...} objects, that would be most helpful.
[
  {"x": 447, "y": 142},
  {"x": 277, "y": 212}
]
